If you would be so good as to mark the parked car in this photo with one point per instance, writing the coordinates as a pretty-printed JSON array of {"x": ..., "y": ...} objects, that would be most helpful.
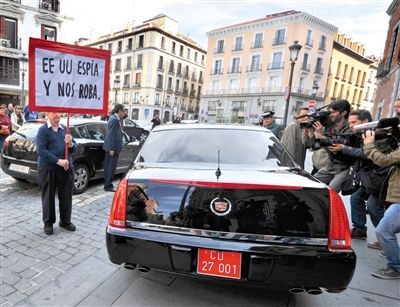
[
  {"x": 133, "y": 129},
  {"x": 19, "y": 158},
  {"x": 229, "y": 203}
]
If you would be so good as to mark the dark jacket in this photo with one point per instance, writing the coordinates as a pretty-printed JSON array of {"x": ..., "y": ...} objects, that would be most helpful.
[
  {"x": 50, "y": 146},
  {"x": 275, "y": 129},
  {"x": 113, "y": 140}
]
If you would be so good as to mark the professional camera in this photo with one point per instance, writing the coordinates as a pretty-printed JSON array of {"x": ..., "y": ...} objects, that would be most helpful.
[
  {"x": 340, "y": 138},
  {"x": 383, "y": 128},
  {"x": 317, "y": 116}
]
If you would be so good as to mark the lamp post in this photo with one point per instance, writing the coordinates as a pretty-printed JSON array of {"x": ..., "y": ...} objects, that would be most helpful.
[
  {"x": 23, "y": 59},
  {"x": 116, "y": 88},
  {"x": 314, "y": 91},
  {"x": 294, "y": 53}
]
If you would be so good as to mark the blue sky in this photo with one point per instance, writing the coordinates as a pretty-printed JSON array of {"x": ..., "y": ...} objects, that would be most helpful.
[{"x": 365, "y": 21}]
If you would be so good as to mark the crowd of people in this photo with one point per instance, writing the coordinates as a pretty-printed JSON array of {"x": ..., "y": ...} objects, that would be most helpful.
[{"x": 356, "y": 164}]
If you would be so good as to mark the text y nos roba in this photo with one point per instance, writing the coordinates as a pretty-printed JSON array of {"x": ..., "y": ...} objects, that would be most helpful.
[{"x": 85, "y": 68}]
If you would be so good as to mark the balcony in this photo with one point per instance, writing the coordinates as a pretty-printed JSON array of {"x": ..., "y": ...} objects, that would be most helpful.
[
  {"x": 139, "y": 66},
  {"x": 140, "y": 46},
  {"x": 128, "y": 67},
  {"x": 382, "y": 71},
  {"x": 275, "y": 65},
  {"x": 279, "y": 41},
  {"x": 160, "y": 67},
  {"x": 159, "y": 87},
  {"x": 201, "y": 80},
  {"x": 137, "y": 85},
  {"x": 185, "y": 92},
  {"x": 219, "y": 50},
  {"x": 234, "y": 70},
  {"x": 193, "y": 93},
  {"x": 216, "y": 71},
  {"x": 309, "y": 42},
  {"x": 171, "y": 71},
  {"x": 322, "y": 47},
  {"x": 170, "y": 89},
  {"x": 186, "y": 76},
  {"x": 126, "y": 85},
  {"x": 194, "y": 78},
  {"x": 179, "y": 73},
  {"x": 257, "y": 44},
  {"x": 254, "y": 68},
  {"x": 117, "y": 68},
  {"x": 128, "y": 48},
  {"x": 49, "y": 5},
  {"x": 319, "y": 71},
  {"x": 306, "y": 67},
  {"x": 237, "y": 48}
]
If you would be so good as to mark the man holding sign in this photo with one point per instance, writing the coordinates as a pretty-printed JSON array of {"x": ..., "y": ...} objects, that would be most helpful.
[{"x": 55, "y": 172}]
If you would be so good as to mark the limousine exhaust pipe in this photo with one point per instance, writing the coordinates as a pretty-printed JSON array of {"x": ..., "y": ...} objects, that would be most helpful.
[
  {"x": 313, "y": 291},
  {"x": 143, "y": 269},
  {"x": 130, "y": 266}
]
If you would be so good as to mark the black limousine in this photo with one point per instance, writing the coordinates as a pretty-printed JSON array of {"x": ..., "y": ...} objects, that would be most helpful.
[
  {"x": 19, "y": 158},
  {"x": 229, "y": 203}
]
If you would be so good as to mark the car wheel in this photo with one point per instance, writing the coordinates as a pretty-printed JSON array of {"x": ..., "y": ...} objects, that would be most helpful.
[
  {"x": 81, "y": 178},
  {"x": 142, "y": 138}
]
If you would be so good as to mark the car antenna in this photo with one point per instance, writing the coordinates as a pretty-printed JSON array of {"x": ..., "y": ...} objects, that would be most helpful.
[{"x": 218, "y": 171}]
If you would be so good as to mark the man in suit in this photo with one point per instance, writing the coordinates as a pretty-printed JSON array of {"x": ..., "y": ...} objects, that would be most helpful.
[{"x": 112, "y": 145}]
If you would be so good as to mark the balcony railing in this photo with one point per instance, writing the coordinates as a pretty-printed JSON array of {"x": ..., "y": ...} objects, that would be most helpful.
[
  {"x": 279, "y": 41},
  {"x": 306, "y": 67},
  {"x": 216, "y": 71},
  {"x": 128, "y": 67},
  {"x": 136, "y": 85},
  {"x": 254, "y": 67},
  {"x": 160, "y": 67},
  {"x": 219, "y": 50},
  {"x": 170, "y": 89},
  {"x": 322, "y": 47},
  {"x": 309, "y": 42},
  {"x": 49, "y": 5},
  {"x": 201, "y": 80},
  {"x": 237, "y": 48},
  {"x": 193, "y": 93},
  {"x": 275, "y": 65},
  {"x": 128, "y": 48},
  {"x": 185, "y": 92},
  {"x": 126, "y": 85},
  {"x": 234, "y": 70},
  {"x": 257, "y": 44},
  {"x": 194, "y": 78},
  {"x": 382, "y": 71},
  {"x": 319, "y": 71}
]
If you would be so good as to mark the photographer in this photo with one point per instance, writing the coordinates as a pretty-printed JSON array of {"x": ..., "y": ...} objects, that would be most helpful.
[
  {"x": 389, "y": 225},
  {"x": 371, "y": 177},
  {"x": 331, "y": 168}
]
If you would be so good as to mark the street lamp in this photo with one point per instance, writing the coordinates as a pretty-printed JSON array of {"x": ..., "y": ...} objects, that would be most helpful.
[
  {"x": 23, "y": 59},
  {"x": 314, "y": 91},
  {"x": 294, "y": 53},
  {"x": 116, "y": 88}
]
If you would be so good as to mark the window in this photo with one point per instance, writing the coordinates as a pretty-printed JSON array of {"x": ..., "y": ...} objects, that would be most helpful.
[
  {"x": 169, "y": 87},
  {"x": 128, "y": 62},
  {"x": 179, "y": 69},
  {"x": 8, "y": 30},
  {"x": 253, "y": 84},
  {"x": 139, "y": 61},
  {"x": 171, "y": 66},
  {"x": 49, "y": 33},
  {"x": 167, "y": 101},
  {"x": 218, "y": 67},
  {"x": 157, "y": 99},
  {"x": 351, "y": 74},
  {"x": 309, "y": 41},
  {"x": 127, "y": 80},
  {"x": 119, "y": 47},
  {"x": 129, "y": 46},
  {"x": 195, "y": 56},
  {"x": 258, "y": 40},
  {"x": 235, "y": 65},
  {"x": 220, "y": 46},
  {"x": 301, "y": 84},
  {"x": 181, "y": 51},
  {"x": 175, "y": 101},
  {"x": 138, "y": 78},
  {"x": 159, "y": 81},
  {"x": 318, "y": 68},
  {"x": 163, "y": 42},
  {"x": 269, "y": 105},
  {"x": 305, "y": 62},
  {"x": 186, "y": 71},
  {"x": 339, "y": 68},
  {"x": 126, "y": 98},
  {"x": 188, "y": 53},
  {"x": 276, "y": 60},
  {"x": 335, "y": 90},
  {"x": 117, "y": 65},
  {"x": 233, "y": 84},
  {"x": 322, "y": 44},
  {"x": 202, "y": 59},
  {"x": 255, "y": 63},
  {"x": 9, "y": 71},
  {"x": 109, "y": 47},
  {"x": 136, "y": 97},
  {"x": 173, "y": 47},
  {"x": 161, "y": 63},
  {"x": 345, "y": 72},
  {"x": 279, "y": 37},
  {"x": 135, "y": 114},
  {"x": 177, "y": 88},
  {"x": 393, "y": 45},
  {"x": 201, "y": 76},
  {"x": 141, "y": 41},
  {"x": 238, "y": 43}
]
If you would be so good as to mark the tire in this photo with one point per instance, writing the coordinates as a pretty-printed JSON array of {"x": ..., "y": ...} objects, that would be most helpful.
[{"x": 81, "y": 178}]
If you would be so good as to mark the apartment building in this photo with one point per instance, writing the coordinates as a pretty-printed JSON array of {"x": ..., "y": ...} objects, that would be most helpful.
[
  {"x": 248, "y": 66},
  {"x": 388, "y": 74},
  {"x": 19, "y": 20},
  {"x": 351, "y": 74},
  {"x": 154, "y": 70}
]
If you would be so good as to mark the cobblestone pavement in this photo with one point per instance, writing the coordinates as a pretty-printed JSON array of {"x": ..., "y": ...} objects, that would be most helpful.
[{"x": 30, "y": 259}]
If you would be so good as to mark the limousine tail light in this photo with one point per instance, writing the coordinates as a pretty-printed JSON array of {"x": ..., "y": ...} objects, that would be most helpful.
[
  {"x": 118, "y": 208},
  {"x": 339, "y": 230}
]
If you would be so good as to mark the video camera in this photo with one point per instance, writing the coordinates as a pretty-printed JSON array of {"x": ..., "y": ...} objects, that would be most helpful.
[
  {"x": 383, "y": 128},
  {"x": 317, "y": 116}
]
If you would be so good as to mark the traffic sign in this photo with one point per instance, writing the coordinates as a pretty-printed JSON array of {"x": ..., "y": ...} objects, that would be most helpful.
[{"x": 312, "y": 104}]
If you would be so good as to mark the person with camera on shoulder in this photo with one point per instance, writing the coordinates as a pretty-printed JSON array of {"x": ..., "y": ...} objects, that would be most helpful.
[
  {"x": 330, "y": 167},
  {"x": 389, "y": 225}
]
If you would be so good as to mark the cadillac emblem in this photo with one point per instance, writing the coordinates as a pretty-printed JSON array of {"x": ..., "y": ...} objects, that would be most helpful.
[{"x": 220, "y": 206}]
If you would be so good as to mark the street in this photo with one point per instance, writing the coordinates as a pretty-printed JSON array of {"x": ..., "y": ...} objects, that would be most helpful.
[{"x": 72, "y": 269}]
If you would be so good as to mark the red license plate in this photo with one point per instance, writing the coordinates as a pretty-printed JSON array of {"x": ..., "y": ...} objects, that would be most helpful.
[{"x": 219, "y": 263}]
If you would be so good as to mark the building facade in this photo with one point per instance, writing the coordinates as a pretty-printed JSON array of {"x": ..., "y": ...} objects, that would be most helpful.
[
  {"x": 388, "y": 74},
  {"x": 351, "y": 74},
  {"x": 154, "y": 70},
  {"x": 19, "y": 20},
  {"x": 248, "y": 67}
]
